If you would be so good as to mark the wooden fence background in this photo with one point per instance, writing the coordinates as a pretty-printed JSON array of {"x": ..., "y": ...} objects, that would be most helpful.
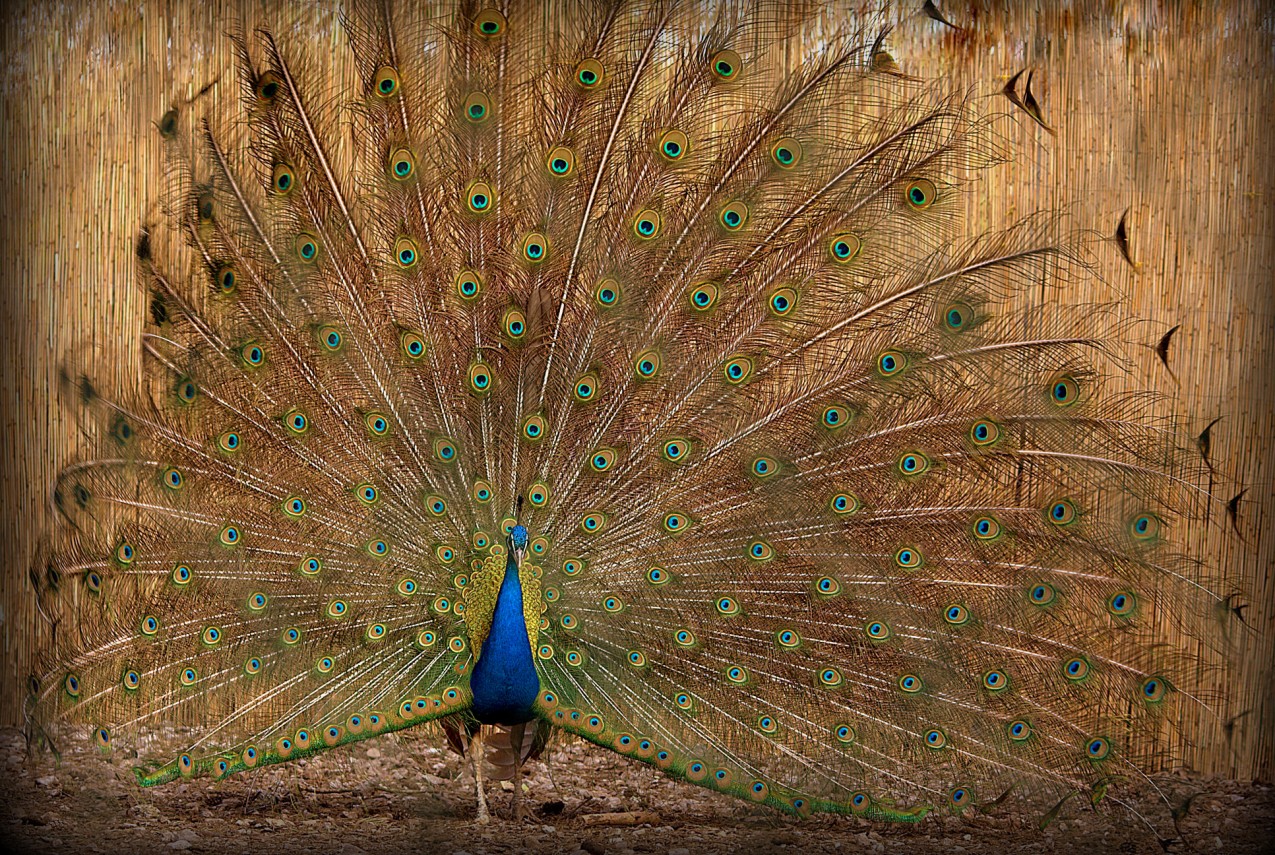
[{"x": 1162, "y": 108}]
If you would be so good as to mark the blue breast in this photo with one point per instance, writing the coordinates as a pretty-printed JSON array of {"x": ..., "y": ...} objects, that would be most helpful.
[{"x": 504, "y": 681}]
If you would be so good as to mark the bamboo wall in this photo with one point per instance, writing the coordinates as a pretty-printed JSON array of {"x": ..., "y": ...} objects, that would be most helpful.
[{"x": 1164, "y": 109}]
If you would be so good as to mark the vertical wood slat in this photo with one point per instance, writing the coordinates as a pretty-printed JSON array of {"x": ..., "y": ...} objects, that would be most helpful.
[{"x": 1161, "y": 108}]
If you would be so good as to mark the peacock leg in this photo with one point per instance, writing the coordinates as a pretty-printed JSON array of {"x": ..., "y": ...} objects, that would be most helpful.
[{"x": 476, "y": 754}]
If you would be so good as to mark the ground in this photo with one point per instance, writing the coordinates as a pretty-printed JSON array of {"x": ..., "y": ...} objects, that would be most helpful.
[{"x": 405, "y": 793}]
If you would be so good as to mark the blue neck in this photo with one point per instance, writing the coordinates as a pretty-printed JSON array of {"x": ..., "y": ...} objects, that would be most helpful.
[{"x": 504, "y": 681}]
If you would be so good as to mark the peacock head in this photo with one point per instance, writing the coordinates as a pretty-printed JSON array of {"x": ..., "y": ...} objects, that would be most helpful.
[{"x": 518, "y": 541}]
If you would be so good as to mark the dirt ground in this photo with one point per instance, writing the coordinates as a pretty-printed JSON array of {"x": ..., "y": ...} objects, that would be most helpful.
[{"x": 405, "y": 793}]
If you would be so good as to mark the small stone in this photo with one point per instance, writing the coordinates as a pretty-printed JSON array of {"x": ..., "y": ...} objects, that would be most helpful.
[
  {"x": 593, "y": 846},
  {"x": 179, "y": 844},
  {"x": 47, "y": 781},
  {"x": 373, "y": 753}
]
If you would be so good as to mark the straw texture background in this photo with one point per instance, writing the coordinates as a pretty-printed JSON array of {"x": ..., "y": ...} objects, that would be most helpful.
[{"x": 1164, "y": 109}]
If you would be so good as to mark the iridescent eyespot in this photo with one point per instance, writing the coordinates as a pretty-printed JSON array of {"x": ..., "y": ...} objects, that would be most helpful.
[
  {"x": 187, "y": 391},
  {"x": 561, "y": 161},
  {"x": 229, "y": 536},
  {"x": 1144, "y": 527},
  {"x": 385, "y": 81},
  {"x": 150, "y": 625},
  {"x": 482, "y": 492},
  {"x": 984, "y": 432},
  {"x": 377, "y": 424},
  {"x": 877, "y": 630},
  {"x": 189, "y": 677},
  {"x": 913, "y": 463},
  {"x": 173, "y": 478},
  {"x": 921, "y": 193},
  {"x": 589, "y": 73},
  {"x": 229, "y": 441},
  {"x": 252, "y": 665},
  {"x": 908, "y": 558},
  {"x": 733, "y": 216},
  {"x": 786, "y": 153},
  {"x": 827, "y": 586},
  {"x": 93, "y": 580},
  {"x": 283, "y": 179},
  {"x": 337, "y": 608},
  {"x": 534, "y": 428},
  {"x": 959, "y": 797},
  {"x": 468, "y": 284},
  {"x": 726, "y": 64},
  {"x": 910, "y": 683},
  {"x": 572, "y": 566},
  {"x": 489, "y": 22},
  {"x": 935, "y": 738},
  {"x": 956, "y": 614},
  {"x": 891, "y": 363},
  {"x": 367, "y": 494},
  {"x": 310, "y": 566},
  {"x": 758, "y": 791},
  {"x": 995, "y": 681},
  {"x": 72, "y": 685},
  {"x": 444, "y": 450},
  {"x": 737, "y": 674},
  {"x": 844, "y": 733},
  {"x": 1098, "y": 748},
  {"x": 268, "y": 86},
  {"x": 703, "y": 296},
  {"x": 1042, "y": 594},
  {"x": 181, "y": 575},
  {"x": 479, "y": 198},
  {"x": 782, "y": 301},
  {"x": 257, "y": 601},
  {"x": 727, "y": 606},
  {"x": 574, "y": 658},
  {"x": 835, "y": 417},
  {"x": 760, "y": 550},
  {"x": 1064, "y": 390},
  {"x": 1122, "y": 603},
  {"x": 764, "y": 467},
  {"x": 252, "y": 355},
  {"x": 607, "y": 293},
  {"x": 413, "y": 345},
  {"x": 684, "y": 638},
  {"x": 122, "y": 430},
  {"x": 830, "y": 677},
  {"x": 957, "y": 317},
  {"x": 569, "y": 621},
  {"x": 378, "y": 548},
  {"x": 844, "y": 247},
  {"x": 675, "y": 522},
  {"x": 602, "y": 459},
  {"x": 674, "y": 145},
  {"x": 1019, "y": 730},
  {"x": 477, "y": 107},
  {"x": 788, "y": 638},
  {"x": 1076, "y": 669},
  {"x": 612, "y": 604},
  {"x": 331, "y": 339},
  {"x": 538, "y": 495},
  {"x": 515, "y": 324},
  {"x": 676, "y": 450},
  {"x": 586, "y": 388},
  {"x": 401, "y": 164},
  {"x": 296, "y": 422},
  {"x": 592, "y": 523},
  {"x": 1154, "y": 688},
  {"x": 306, "y": 247},
  {"x": 480, "y": 378},
  {"x": 324, "y": 665},
  {"x": 647, "y": 364},
  {"x": 294, "y": 506},
  {"x": 657, "y": 575},
  {"x": 647, "y": 224},
  {"x": 738, "y": 370},
  {"x": 406, "y": 253},
  {"x": 1062, "y": 512},
  {"x": 227, "y": 279},
  {"x": 535, "y": 247},
  {"x": 844, "y": 503},
  {"x": 637, "y": 658},
  {"x": 986, "y": 528}
]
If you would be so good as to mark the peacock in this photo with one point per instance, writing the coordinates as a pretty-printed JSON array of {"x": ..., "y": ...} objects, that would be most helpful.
[{"x": 623, "y": 368}]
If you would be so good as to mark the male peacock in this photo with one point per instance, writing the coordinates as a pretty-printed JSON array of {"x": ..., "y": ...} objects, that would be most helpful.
[{"x": 618, "y": 381}]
